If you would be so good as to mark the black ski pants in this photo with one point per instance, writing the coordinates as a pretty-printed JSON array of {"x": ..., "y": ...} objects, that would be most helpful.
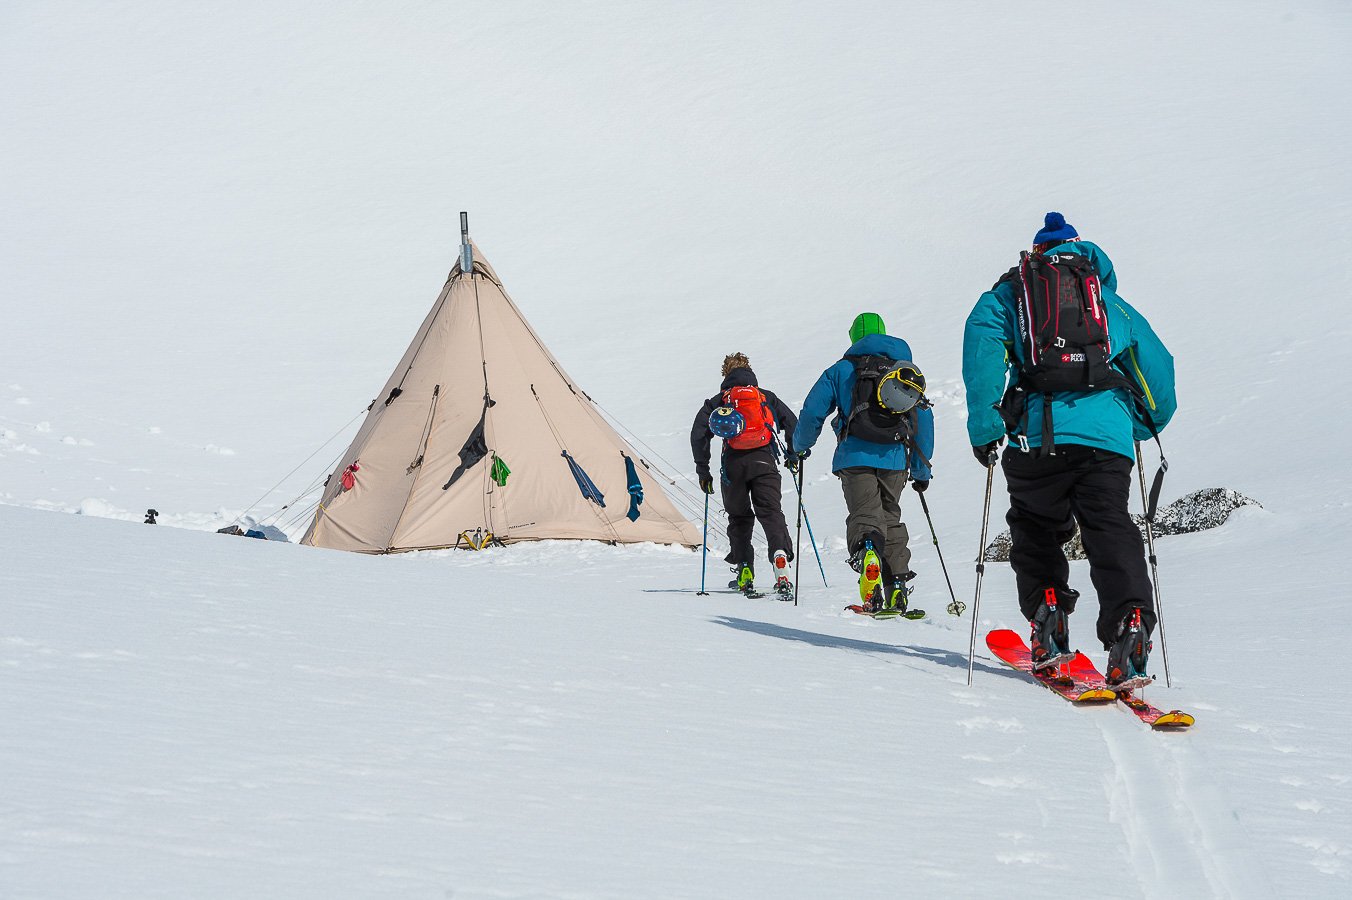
[
  {"x": 1048, "y": 495},
  {"x": 752, "y": 490}
]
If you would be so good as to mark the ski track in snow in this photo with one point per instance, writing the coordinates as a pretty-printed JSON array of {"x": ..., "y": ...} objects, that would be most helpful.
[{"x": 1184, "y": 838}]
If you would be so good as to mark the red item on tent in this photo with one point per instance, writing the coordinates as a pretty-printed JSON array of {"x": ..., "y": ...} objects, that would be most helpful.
[{"x": 350, "y": 475}]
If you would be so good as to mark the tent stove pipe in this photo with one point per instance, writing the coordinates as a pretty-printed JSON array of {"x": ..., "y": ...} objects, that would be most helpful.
[{"x": 466, "y": 255}]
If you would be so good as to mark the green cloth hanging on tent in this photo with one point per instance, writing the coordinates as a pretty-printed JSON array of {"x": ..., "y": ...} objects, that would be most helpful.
[{"x": 500, "y": 471}]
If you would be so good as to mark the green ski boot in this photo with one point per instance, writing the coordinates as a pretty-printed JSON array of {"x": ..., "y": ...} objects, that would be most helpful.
[
  {"x": 898, "y": 602},
  {"x": 871, "y": 580},
  {"x": 745, "y": 581}
]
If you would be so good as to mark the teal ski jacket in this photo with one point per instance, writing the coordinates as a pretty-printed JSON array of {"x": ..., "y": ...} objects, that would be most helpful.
[
  {"x": 1108, "y": 420},
  {"x": 832, "y": 393}
]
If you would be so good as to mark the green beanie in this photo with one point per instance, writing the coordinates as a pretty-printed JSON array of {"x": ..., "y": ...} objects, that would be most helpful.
[{"x": 866, "y": 324}]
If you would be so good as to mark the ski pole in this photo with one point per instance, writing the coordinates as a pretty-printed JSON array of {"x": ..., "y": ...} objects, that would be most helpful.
[
  {"x": 798, "y": 484},
  {"x": 957, "y": 606},
  {"x": 798, "y": 539},
  {"x": 1154, "y": 567},
  {"x": 811, "y": 537},
  {"x": 980, "y": 571},
  {"x": 704, "y": 549}
]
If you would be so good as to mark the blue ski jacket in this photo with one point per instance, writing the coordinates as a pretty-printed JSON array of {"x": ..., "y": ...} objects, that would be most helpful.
[
  {"x": 1108, "y": 420},
  {"x": 832, "y": 393}
]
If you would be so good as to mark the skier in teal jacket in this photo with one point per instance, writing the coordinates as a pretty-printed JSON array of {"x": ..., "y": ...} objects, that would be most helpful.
[{"x": 1087, "y": 479}]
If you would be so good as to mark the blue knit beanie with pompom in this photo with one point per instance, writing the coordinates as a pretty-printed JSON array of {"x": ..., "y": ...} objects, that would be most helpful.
[{"x": 1055, "y": 230}]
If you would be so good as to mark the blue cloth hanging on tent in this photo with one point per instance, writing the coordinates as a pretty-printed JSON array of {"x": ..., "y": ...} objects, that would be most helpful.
[
  {"x": 584, "y": 483},
  {"x": 635, "y": 488}
]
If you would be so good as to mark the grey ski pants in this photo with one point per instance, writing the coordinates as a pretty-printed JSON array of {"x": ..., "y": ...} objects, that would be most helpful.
[{"x": 873, "y": 510}]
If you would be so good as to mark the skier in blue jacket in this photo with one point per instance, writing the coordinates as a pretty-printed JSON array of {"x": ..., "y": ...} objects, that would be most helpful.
[
  {"x": 1085, "y": 476},
  {"x": 872, "y": 473}
]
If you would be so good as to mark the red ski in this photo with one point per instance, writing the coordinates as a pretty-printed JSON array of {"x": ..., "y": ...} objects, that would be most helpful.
[
  {"x": 1010, "y": 649},
  {"x": 1084, "y": 669},
  {"x": 1080, "y": 681}
]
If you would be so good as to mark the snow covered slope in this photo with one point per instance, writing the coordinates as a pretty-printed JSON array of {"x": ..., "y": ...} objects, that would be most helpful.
[
  {"x": 220, "y": 224},
  {"x": 196, "y": 715}
]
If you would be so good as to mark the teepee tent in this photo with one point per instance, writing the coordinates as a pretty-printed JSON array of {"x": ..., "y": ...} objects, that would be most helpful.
[{"x": 480, "y": 431}]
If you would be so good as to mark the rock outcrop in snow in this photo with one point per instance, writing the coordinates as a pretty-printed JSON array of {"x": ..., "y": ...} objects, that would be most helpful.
[{"x": 1198, "y": 511}]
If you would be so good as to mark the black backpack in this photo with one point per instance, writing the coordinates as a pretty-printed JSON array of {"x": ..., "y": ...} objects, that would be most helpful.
[
  {"x": 1063, "y": 330},
  {"x": 869, "y": 420}
]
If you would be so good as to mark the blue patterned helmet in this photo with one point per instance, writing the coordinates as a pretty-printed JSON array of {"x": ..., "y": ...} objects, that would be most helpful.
[{"x": 726, "y": 422}]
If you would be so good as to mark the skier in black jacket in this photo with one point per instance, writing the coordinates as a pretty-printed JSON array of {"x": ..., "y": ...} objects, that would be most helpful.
[{"x": 746, "y": 416}]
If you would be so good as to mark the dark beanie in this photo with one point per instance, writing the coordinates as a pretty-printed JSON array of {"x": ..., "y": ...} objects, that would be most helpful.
[{"x": 1056, "y": 230}]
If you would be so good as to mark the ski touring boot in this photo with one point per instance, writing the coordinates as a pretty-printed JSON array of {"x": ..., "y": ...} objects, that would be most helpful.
[
  {"x": 871, "y": 595},
  {"x": 745, "y": 581},
  {"x": 1050, "y": 640},
  {"x": 1128, "y": 655},
  {"x": 783, "y": 584},
  {"x": 899, "y": 596}
]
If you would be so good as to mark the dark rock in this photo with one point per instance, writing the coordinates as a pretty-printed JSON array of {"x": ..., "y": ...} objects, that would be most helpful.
[{"x": 1198, "y": 511}]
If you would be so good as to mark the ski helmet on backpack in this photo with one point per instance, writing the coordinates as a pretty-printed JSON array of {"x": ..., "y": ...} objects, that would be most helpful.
[
  {"x": 884, "y": 401},
  {"x": 726, "y": 422},
  {"x": 901, "y": 389}
]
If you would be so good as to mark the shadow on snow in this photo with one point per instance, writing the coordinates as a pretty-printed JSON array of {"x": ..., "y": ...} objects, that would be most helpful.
[{"x": 816, "y": 639}]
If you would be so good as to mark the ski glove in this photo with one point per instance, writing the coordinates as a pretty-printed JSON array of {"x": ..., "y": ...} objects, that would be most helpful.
[
  {"x": 794, "y": 458},
  {"x": 987, "y": 454},
  {"x": 706, "y": 482},
  {"x": 920, "y": 485}
]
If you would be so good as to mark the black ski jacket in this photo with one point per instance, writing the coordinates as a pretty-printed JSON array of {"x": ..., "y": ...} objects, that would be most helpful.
[{"x": 700, "y": 435}]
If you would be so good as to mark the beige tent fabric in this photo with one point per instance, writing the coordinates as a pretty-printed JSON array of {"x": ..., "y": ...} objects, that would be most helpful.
[{"x": 473, "y": 340}]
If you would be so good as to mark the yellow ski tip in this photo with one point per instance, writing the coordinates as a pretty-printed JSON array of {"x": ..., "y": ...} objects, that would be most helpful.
[
  {"x": 1094, "y": 695},
  {"x": 1175, "y": 719}
]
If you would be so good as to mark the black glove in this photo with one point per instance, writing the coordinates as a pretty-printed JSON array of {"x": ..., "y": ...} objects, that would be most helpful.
[
  {"x": 920, "y": 485},
  {"x": 987, "y": 454},
  {"x": 706, "y": 481},
  {"x": 794, "y": 457}
]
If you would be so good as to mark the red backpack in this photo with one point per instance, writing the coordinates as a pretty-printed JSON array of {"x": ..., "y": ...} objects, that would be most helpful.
[{"x": 760, "y": 422}]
